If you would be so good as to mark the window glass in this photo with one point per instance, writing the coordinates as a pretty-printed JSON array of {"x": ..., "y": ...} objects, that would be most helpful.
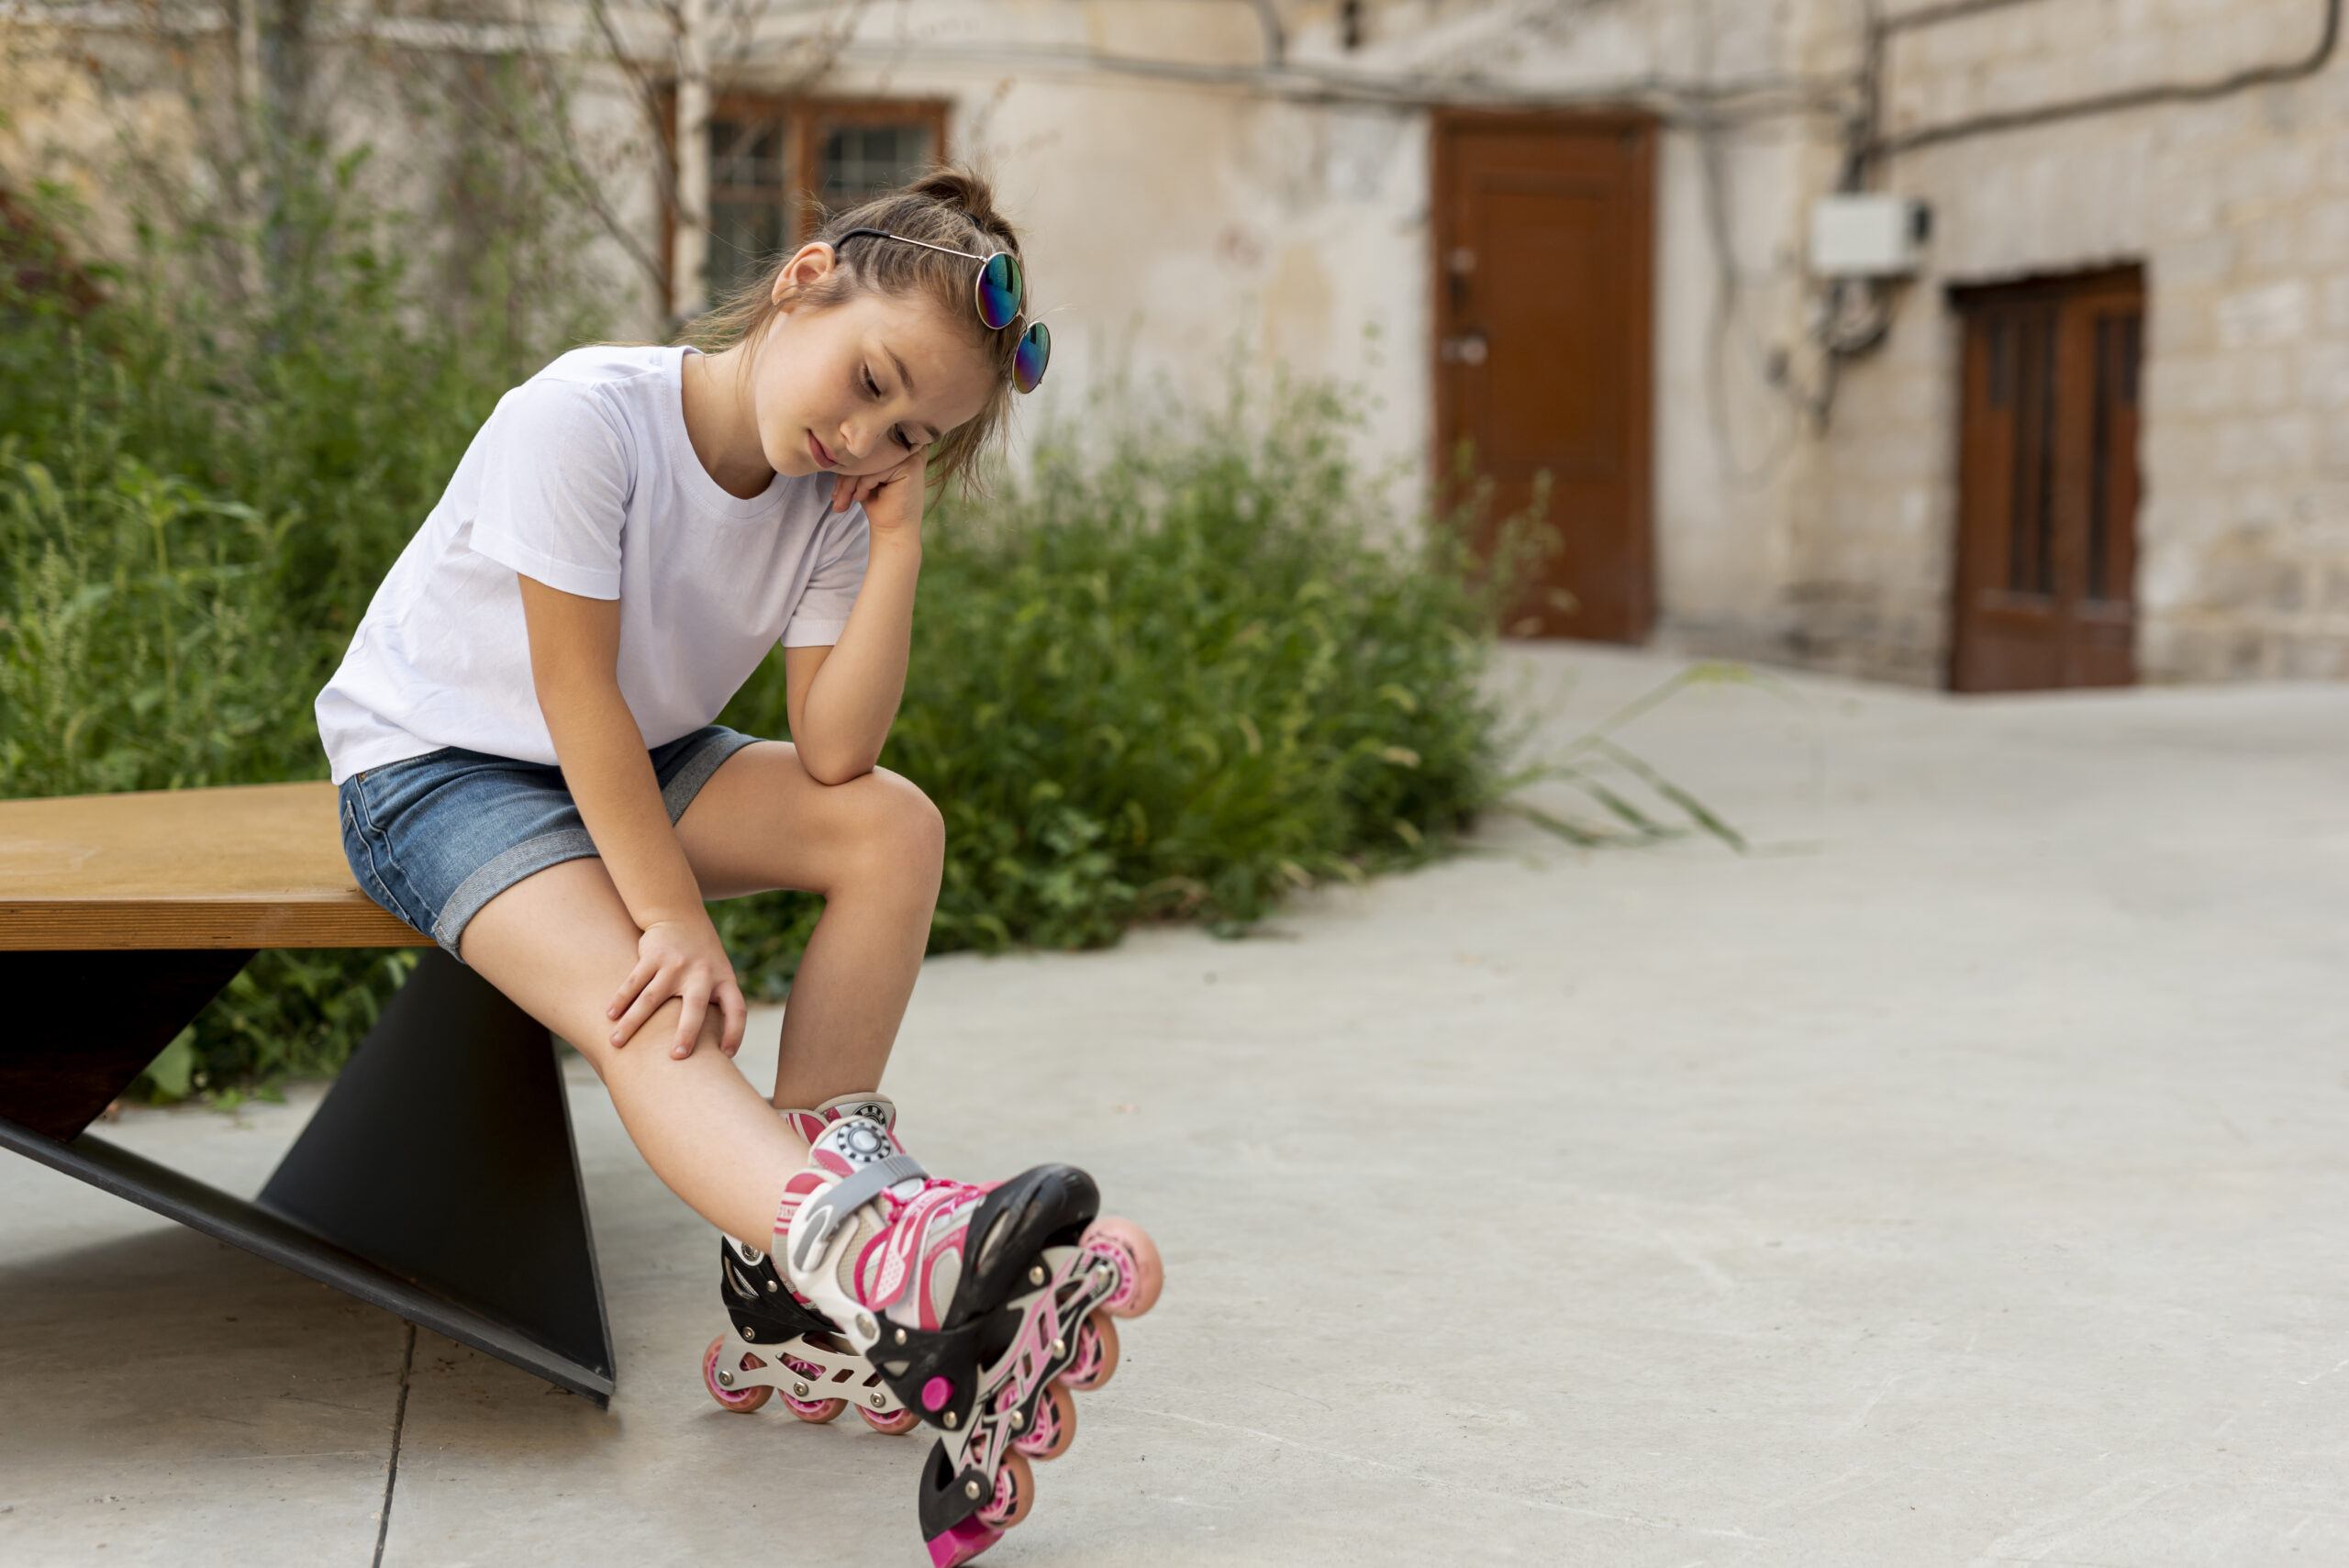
[
  {"x": 745, "y": 154},
  {"x": 744, "y": 239},
  {"x": 861, "y": 162},
  {"x": 749, "y": 190},
  {"x": 764, "y": 155}
]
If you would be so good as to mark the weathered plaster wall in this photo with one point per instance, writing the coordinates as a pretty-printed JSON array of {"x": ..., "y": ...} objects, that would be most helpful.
[
  {"x": 140, "y": 117},
  {"x": 1181, "y": 228},
  {"x": 1174, "y": 221}
]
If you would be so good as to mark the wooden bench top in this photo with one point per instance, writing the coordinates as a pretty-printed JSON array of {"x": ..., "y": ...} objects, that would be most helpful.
[{"x": 255, "y": 866}]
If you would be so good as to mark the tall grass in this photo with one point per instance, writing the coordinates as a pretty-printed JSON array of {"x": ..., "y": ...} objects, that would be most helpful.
[
  {"x": 199, "y": 489},
  {"x": 1176, "y": 674},
  {"x": 1173, "y": 678}
]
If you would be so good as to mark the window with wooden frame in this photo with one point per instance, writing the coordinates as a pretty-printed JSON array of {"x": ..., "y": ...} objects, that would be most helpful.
[{"x": 777, "y": 165}]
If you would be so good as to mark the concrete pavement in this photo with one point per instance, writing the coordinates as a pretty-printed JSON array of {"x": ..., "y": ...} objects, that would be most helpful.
[{"x": 1959, "y": 1178}]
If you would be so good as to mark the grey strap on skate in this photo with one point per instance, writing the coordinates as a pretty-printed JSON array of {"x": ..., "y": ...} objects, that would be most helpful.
[{"x": 833, "y": 1206}]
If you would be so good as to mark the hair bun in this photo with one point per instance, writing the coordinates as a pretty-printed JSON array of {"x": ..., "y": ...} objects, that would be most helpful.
[{"x": 957, "y": 186}]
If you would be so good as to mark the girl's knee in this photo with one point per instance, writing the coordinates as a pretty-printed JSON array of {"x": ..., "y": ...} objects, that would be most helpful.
[
  {"x": 920, "y": 827},
  {"x": 901, "y": 825}
]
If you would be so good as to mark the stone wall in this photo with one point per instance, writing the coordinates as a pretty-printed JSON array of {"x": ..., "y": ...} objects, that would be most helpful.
[{"x": 2239, "y": 210}]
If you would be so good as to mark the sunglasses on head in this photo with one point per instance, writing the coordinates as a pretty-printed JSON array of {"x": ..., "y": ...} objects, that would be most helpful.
[{"x": 1000, "y": 289}]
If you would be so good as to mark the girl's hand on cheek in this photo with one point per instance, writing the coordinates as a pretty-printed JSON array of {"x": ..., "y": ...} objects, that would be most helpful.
[{"x": 892, "y": 498}]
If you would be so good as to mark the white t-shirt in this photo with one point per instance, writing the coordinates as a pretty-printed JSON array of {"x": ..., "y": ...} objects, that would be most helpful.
[{"x": 583, "y": 480}]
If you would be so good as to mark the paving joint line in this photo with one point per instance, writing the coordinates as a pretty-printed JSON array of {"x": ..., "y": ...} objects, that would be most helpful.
[{"x": 392, "y": 1469}]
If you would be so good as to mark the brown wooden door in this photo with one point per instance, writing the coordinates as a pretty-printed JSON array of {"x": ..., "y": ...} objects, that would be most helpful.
[
  {"x": 1544, "y": 245},
  {"x": 2048, "y": 484}
]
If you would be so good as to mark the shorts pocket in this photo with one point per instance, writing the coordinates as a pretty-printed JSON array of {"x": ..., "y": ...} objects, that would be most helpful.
[{"x": 370, "y": 852}]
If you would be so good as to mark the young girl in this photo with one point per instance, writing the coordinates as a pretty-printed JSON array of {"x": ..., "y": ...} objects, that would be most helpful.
[{"x": 521, "y": 732}]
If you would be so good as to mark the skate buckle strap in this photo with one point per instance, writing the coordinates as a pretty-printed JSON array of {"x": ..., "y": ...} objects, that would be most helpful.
[{"x": 829, "y": 1211}]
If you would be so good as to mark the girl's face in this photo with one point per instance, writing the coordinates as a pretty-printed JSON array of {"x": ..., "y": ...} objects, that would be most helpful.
[{"x": 861, "y": 387}]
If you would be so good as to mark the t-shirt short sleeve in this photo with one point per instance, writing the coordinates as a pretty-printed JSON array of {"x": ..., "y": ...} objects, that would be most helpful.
[
  {"x": 822, "y": 612},
  {"x": 554, "y": 488}
]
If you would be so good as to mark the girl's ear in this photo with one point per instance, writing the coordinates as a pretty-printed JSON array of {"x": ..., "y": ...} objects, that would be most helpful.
[{"x": 810, "y": 265}]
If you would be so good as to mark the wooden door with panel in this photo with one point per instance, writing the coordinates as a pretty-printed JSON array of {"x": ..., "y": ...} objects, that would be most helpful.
[{"x": 1543, "y": 234}]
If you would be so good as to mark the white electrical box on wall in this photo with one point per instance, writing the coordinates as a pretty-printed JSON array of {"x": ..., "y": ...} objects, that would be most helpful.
[{"x": 1867, "y": 235}]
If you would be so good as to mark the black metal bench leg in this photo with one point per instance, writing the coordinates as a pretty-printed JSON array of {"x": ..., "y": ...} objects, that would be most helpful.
[
  {"x": 437, "y": 1180},
  {"x": 444, "y": 1154},
  {"x": 88, "y": 1023}
]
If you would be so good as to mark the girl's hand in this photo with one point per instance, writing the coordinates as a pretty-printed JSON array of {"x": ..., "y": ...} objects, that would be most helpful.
[
  {"x": 683, "y": 960},
  {"x": 893, "y": 497}
]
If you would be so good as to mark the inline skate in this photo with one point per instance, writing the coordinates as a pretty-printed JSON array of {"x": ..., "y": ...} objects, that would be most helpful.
[
  {"x": 982, "y": 1310},
  {"x": 774, "y": 1343}
]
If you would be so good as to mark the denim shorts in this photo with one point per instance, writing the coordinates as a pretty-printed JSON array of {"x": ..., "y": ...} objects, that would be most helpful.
[{"x": 434, "y": 837}]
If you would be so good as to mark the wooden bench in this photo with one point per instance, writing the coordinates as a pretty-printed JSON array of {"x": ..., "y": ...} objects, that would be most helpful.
[{"x": 438, "y": 1178}]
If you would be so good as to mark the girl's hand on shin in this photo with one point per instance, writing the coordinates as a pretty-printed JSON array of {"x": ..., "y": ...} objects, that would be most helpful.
[
  {"x": 892, "y": 498},
  {"x": 685, "y": 960}
]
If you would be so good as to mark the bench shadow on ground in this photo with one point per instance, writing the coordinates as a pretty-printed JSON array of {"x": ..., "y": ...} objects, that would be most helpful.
[
  {"x": 154, "y": 1338},
  {"x": 147, "y": 1354},
  {"x": 495, "y": 1464}
]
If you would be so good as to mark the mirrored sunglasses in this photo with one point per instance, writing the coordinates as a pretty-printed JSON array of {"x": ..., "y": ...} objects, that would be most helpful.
[{"x": 999, "y": 291}]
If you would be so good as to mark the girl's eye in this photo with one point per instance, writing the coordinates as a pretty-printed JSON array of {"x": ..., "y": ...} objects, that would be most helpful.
[
  {"x": 871, "y": 386},
  {"x": 897, "y": 434}
]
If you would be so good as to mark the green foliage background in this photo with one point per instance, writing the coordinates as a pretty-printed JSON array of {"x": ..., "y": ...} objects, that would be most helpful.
[{"x": 1174, "y": 675}]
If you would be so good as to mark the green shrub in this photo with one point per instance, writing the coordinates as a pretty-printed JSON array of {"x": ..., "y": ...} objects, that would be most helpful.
[
  {"x": 1175, "y": 678},
  {"x": 198, "y": 491}
]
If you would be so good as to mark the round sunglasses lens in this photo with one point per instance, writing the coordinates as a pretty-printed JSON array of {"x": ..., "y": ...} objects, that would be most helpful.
[
  {"x": 1000, "y": 287},
  {"x": 1028, "y": 362}
]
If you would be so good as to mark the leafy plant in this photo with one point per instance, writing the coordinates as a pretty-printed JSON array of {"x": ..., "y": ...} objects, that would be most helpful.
[
  {"x": 1176, "y": 677},
  {"x": 198, "y": 491},
  {"x": 1175, "y": 674}
]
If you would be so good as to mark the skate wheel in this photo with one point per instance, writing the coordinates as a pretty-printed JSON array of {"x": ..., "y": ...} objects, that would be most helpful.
[
  {"x": 1052, "y": 1427},
  {"x": 1138, "y": 1273},
  {"x": 1015, "y": 1493},
  {"x": 1096, "y": 1353},
  {"x": 741, "y": 1400},
  {"x": 891, "y": 1423},
  {"x": 814, "y": 1412}
]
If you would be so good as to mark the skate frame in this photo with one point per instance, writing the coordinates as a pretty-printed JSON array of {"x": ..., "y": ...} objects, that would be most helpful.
[
  {"x": 845, "y": 1376},
  {"x": 437, "y": 1180}
]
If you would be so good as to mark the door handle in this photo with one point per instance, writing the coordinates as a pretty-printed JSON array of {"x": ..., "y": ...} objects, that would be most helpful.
[{"x": 1463, "y": 349}]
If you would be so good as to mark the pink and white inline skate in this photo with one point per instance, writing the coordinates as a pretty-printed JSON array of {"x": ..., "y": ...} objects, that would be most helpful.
[
  {"x": 776, "y": 1343},
  {"x": 983, "y": 1309}
]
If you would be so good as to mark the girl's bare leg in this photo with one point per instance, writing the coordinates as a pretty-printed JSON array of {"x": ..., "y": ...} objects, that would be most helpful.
[
  {"x": 874, "y": 847},
  {"x": 559, "y": 942}
]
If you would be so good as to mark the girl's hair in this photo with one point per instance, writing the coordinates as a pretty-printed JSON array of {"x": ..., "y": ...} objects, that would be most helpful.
[{"x": 949, "y": 206}]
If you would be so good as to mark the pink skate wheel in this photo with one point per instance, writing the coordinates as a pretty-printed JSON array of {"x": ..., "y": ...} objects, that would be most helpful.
[
  {"x": 1129, "y": 1249},
  {"x": 935, "y": 1394},
  {"x": 1015, "y": 1493},
  {"x": 1096, "y": 1353},
  {"x": 1055, "y": 1427},
  {"x": 897, "y": 1423},
  {"x": 816, "y": 1412},
  {"x": 740, "y": 1400}
]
